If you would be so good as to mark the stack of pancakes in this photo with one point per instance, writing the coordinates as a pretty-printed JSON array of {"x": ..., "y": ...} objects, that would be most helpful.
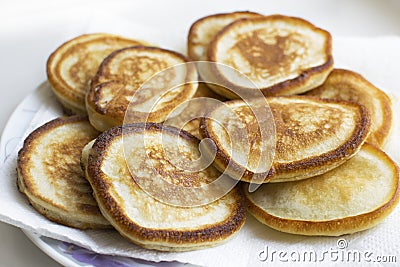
[{"x": 120, "y": 164}]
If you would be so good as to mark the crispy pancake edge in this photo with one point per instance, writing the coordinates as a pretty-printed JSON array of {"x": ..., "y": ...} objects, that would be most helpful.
[
  {"x": 307, "y": 78},
  {"x": 62, "y": 91},
  {"x": 379, "y": 136},
  {"x": 102, "y": 119},
  {"x": 335, "y": 227},
  {"x": 302, "y": 168},
  {"x": 51, "y": 211},
  {"x": 165, "y": 239},
  {"x": 193, "y": 31}
]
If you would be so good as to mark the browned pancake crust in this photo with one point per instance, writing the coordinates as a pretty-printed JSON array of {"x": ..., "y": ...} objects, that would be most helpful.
[
  {"x": 193, "y": 126},
  {"x": 349, "y": 224},
  {"x": 135, "y": 232},
  {"x": 340, "y": 154},
  {"x": 351, "y": 86},
  {"x": 310, "y": 164},
  {"x": 283, "y": 88},
  {"x": 24, "y": 165},
  {"x": 114, "y": 112},
  {"x": 194, "y": 28},
  {"x": 83, "y": 70}
]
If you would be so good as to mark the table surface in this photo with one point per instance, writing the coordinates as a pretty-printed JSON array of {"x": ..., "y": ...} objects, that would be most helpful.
[{"x": 31, "y": 30}]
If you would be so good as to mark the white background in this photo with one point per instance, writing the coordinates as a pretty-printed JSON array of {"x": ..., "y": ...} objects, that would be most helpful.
[{"x": 31, "y": 30}]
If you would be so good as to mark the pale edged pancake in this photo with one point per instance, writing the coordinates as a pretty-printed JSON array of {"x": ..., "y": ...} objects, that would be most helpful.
[
  {"x": 281, "y": 55},
  {"x": 354, "y": 197},
  {"x": 74, "y": 63},
  {"x": 124, "y": 89},
  {"x": 204, "y": 29},
  {"x": 138, "y": 216},
  {"x": 50, "y": 175},
  {"x": 313, "y": 136},
  {"x": 189, "y": 118},
  {"x": 350, "y": 86}
]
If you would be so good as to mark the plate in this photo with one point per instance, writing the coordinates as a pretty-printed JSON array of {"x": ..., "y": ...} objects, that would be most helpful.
[
  {"x": 71, "y": 255},
  {"x": 68, "y": 254},
  {"x": 44, "y": 36},
  {"x": 64, "y": 253}
]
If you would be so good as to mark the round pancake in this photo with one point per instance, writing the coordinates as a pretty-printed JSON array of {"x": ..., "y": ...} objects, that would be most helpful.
[
  {"x": 139, "y": 216},
  {"x": 138, "y": 84},
  {"x": 313, "y": 136},
  {"x": 353, "y": 197},
  {"x": 350, "y": 86},
  {"x": 281, "y": 55},
  {"x": 204, "y": 29},
  {"x": 50, "y": 175},
  {"x": 74, "y": 63}
]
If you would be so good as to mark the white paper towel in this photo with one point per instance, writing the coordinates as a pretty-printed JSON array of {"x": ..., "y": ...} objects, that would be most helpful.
[{"x": 377, "y": 59}]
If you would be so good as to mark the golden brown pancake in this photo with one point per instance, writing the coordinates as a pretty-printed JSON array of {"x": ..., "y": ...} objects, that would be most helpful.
[
  {"x": 50, "y": 175},
  {"x": 313, "y": 136},
  {"x": 190, "y": 117},
  {"x": 281, "y": 55},
  {"x": 138, "y": 84},
  {"x": 347, "y": 85},
  {"x": 354, "y": 197},
  {"x": 204, "y": 29},
  {"x": 138, "y": 215},
  {"x": 74, "y": 63}
]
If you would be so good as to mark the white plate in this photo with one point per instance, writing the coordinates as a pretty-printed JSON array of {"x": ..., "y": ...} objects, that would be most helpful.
[
  {"x": 64, "y": 253},
  {"x": 48, "y": 27},
  {"x": 71, "y": 255}
]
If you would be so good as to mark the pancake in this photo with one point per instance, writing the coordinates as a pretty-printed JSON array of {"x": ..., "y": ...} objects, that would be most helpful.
[
  {"x": 141, "y": 217},
  {"x": 336, "y": 203},
  {"x": 74, "y": 63},
  {"x": 204, "y": 29},
  {"x": 189, "y": 118},
  {"x": 122, "y": 91},
  {"x": 347, "y": 85},
  {"x": 281, "y": 55},
  {"x": 50, "y": 176},
  {"x": 313, "y": 136}
]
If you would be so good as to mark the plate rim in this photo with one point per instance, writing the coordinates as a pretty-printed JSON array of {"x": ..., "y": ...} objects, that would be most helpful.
[
  {"x": 49, "y": 250},
  {"x": 7, "y": 132},
  {"x": 32, "y": 104}
]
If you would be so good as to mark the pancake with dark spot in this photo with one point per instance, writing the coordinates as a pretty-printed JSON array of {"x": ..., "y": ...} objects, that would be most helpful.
[
  {"x": 313, "y": 136},
  {"x": 123, "y": 171},
  {"x": 280, "y": 55},
  {"x": 204, "y": 30}
]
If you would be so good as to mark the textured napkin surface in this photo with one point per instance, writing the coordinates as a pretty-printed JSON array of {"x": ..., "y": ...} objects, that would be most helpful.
[{"x": 377, "y": 59}]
